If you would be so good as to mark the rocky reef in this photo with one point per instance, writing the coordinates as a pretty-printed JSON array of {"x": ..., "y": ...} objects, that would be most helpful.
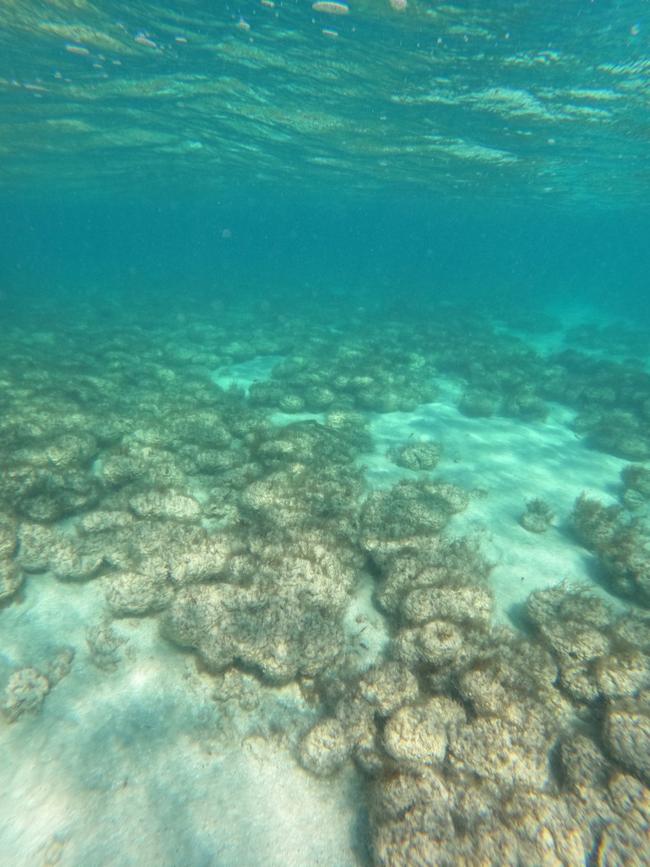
[{"x": 248, "y": 537}]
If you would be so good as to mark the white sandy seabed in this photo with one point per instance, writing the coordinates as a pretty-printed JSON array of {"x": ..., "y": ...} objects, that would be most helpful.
[{"x": 129, "y": 767}]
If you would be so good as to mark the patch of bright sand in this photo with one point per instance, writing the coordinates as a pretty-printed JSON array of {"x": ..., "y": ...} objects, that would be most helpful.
[
  {"x": 507, "y": 462},
  {"x": 138, "y": 766}
]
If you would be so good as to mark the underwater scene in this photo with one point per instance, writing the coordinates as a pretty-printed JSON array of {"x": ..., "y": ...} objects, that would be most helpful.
[{"x": 324, "y": 433}]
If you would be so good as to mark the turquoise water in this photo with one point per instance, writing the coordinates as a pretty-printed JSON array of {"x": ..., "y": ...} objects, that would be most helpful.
[{"x": 324, "y": 433}]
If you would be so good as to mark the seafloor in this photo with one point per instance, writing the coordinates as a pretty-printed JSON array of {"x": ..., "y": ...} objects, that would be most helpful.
[{"x": 323, "y": 586}]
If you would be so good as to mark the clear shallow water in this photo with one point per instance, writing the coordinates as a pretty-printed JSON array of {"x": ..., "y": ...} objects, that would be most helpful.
[{"x": 324, "y": 434}]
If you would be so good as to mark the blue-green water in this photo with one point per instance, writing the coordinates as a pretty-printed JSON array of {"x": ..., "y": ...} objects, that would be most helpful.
[{"x": 324, "y": 433}]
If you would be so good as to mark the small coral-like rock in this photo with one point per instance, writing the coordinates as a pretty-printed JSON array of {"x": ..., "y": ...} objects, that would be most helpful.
[
  {"x": 105, "y": 520},
  {"x": 356, "y": 715},
  {"x": 416, "y": 456},
  {"x": 430, "y": 561},
  {"x": 36, "y": 546},
  {"x": 24, "y": 693},
  {"x": 104, "y": 645},
  {"x": 621, "y": 675},
  {"x": 579, "y": 681},
  {"x": 507, "y": 752},
  {"x": 483, "y": 690},
  {"x": 629, "y": 797},
  {"x": 478, "y": 404},
  {"x": 411, "y": 820},
  {"x": 574, "y": 643},
  {"x": 584, "y": 766},
  {"x": 593, "y": 523},
  {"x": 133, "y": 594},
  {"x": 388, "y": 686},
  {"x": 626, "y": 836},
  {"x": 291, "y": 403},
  {"x": 318, "y": 398},
  {"x": 633, "y": 629},
  {"x": 70, "y": 562},
  {"x": 168, "y": 505},
  {"x": 60, "y": 665},
  {"x": 538, "y": 516},
  {"x": 636, "y": 477},
  {"x": 438, "y": 641},
  {"x": 325, "y": 748},
  {"x": 278, "y": 635},
  {"x": 409, "y": 509},
  {"x": 417, "y": 734},
  {"x": 11, "y": 577},
  {"x": 52, "y": 494},
  {"x": 8, "y": 537},
  {"x": 471, "y": 605},
  {"x": 627, "y": 735},
  {"x": 571, "y": 604}
]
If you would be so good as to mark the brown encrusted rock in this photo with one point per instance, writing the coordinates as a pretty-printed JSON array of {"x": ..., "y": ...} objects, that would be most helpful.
[
  {"x": 51, "y": 494},
  {"x": 131, "y": 594},
  {"x": 141, "y": 462},
  {"x": 105, "y": 520},
  {"x": 620, "y": 675},
  {"x": 568, "y": 604},
  {"x": 166, "y": 505},
  {"x": 192, "y": 556},
  {"x": 417, "y": 734},
  {"x": 471, "y": 605},
  {"x": 291, "y": 403},
  {"x": 65, "y": 553},
  {"x": 584, "y": 767},
  {"x": 509, "y": 752},
  {"x": 416, "y": 456},
  {"x": 629, "y": 797},
  {"x": 357, "y": 717},
  {"x": 69, "y": 561},
  {"x": 627, "y": 734},
  {"x": 388, "y": 686},
  {"x": 429, "y": 562},
  {"x": 573, "y": 643},
  {"x": 633, "y": 629},
  {"x": 579, "y": 681},
  {"x": 60, "y": 665},
  {"x": 36, "y": 546},
  {"x": 636, "y": 477},
  {"x": 183, "y": 552},
  {"x": 624, "y": 840},
  {"x": 533, "y": 828},
  {"x": 483, "y": 690},
  {"x": 538, "y": 516},
  {"x": 280, "y": 635},
  {"x": 436, "y": 643},
  {"x": 410, "y": 510},
  {"x": 411, "y": 820},
  {"x": 412, "y": 736},
  {"x": 399, "y": 795},
  {"x": 572, "y": 623},
  {"x": 477, "y": 403},
  {"x": 439, "y": 641},
  {"x": 11, "y": 577},
  {"x": 325, "y": 748},
  {"x": 104, "y": 645},
  {"x": 69, "y": 449},
  {"x": 8, "y": 536},
  {"x": 24, "y": 693}
]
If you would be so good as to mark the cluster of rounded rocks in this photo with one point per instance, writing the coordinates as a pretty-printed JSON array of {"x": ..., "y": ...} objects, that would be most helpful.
[
  {"x": 483, "y": 747},
  {"x": 248, "y": 540},
  {"x": 619, "y": 535}
]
